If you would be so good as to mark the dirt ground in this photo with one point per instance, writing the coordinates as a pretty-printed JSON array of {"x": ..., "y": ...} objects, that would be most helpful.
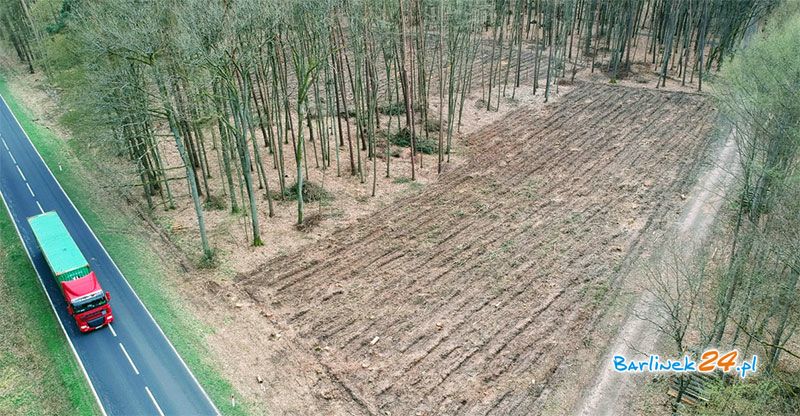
[
  {"x": 476, "y": 292},
  {"x": 351, "y": 199},
  {"x": 472, "y": 295},
  {"x": 612, "y": 392}
]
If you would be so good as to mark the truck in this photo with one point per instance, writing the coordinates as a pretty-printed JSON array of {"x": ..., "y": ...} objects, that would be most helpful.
[{"x": 86, "y": 301}]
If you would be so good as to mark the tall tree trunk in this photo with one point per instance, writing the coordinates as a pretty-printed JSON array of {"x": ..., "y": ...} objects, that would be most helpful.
[{"x": 190, "y": 175}]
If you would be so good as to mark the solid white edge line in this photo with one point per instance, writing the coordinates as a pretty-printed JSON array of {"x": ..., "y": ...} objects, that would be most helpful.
[
  {"x": 124, "y": 351},
  {"x": 40, "y": 207},
  {"x": 20, "y": 174},
  {"x": 113, "y": 332},
  {"x": 155, "y": 403},
  {"x": 191, "y": 374},
  {"x": 30, "y": 190},
  {"x": 53, "y": 306}
]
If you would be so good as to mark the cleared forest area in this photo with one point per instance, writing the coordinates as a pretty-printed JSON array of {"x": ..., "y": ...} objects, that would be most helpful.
[
  {"x": 430, "y": 207},
  {"x": 467, "y": 297},
  {"x": 244, "y": 101}
]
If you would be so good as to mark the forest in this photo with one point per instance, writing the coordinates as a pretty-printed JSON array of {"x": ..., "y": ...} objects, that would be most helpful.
[
  {"x": 231, "y": 107},
  {"x": 264, "y": 90}
]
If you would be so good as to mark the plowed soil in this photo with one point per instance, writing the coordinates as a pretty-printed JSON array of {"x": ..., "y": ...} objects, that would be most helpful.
[{"x": 468, "y": 296}]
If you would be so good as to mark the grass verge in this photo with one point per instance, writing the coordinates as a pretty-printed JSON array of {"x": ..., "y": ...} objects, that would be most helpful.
[
  {"x": 132, "y": 252},
  {"x": 38, "y": 374}
]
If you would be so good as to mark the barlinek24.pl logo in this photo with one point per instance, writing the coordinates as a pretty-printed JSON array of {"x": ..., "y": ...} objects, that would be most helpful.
[{"x": 710, "y": 360}]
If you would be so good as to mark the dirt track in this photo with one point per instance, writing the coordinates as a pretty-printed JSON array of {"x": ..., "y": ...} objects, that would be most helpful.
[
  {"x": 467, "y": 297},
  {"x": 611, "y": 393}
]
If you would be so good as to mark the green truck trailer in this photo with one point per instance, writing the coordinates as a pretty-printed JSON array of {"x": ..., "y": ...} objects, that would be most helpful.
[{"x": 85, "y": 299}]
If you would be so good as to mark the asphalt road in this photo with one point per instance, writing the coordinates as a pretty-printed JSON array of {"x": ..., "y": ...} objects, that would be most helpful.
[{"x": 131, "y": 366}]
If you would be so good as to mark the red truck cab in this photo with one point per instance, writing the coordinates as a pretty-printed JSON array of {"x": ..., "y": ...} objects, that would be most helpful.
[{"x": 87, "y": 302}]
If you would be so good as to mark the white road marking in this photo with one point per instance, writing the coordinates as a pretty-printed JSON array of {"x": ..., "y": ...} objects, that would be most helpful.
[
  {"x": 40, "y": 207},
  {"x": 129, "y": 358},
  {"x": 30, "y": 190},
  {"x": 41, "y": 279},
  {"x": 155, "y": 403},
  {"x": 114, "y": 333},
  {"x": 52, "y": 305},
  {"x": 12, "y": 157},
  {"x": 4, "y": 144},
  {"x": 20, "y": 174}
]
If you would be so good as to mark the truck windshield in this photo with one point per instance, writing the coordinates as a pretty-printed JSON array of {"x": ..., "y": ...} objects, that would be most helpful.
[{"x": 89, "y": 303}]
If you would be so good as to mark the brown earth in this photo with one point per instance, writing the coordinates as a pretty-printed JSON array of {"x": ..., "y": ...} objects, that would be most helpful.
[
  {"x": 480, "y": 288},
  {"x": 471, "y": 295},
  {"x": 352, "y": 199}
]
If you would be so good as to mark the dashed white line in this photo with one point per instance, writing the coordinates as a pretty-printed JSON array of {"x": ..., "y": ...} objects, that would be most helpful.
[
  {"x": 129, "y": 358},
  {"x": 40, "y": 207},
  {"x": 30, "y": 190},
  {"x": 161, "y": 331},
  {"x": 114, "y": 333},
  {"x": 12, "y": 158},
  {"x": 41, "y": 280},
  {"x": 52, "y": 306},
  {"x": 155, "y": 403},
  {"x": 49, "y": 299},
  {"x": 4, "y": 144},
  {"x": 20, "y": 173}
]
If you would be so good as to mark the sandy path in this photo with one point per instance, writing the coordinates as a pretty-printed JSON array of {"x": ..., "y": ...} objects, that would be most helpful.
[{"x": 611, "y": 390}]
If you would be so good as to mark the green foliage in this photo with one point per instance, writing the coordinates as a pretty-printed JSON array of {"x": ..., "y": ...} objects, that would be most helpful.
[
  {"x": 209, "y": 262},
  {"x": 760, "y": 98},
  {"x": 759, "y": 101},
  {"x": 403, "y": 139},
  {"x": 433, "y": 126},
  {"x": 778, "y": 394},
  {"x": 133, "y": 254},
  {"x": 62, "y": 18},
  {"x": 215, "y": 203},
  {"x": 311, "y": 193},
  {"x": 392, "y": 109}
]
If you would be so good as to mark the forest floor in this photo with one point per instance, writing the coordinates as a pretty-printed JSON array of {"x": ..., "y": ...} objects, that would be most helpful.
[
  {"x": 347, "y": 198},
  {"x": 482, "y": 291},
  {"x": 479, "y": 293},
  {"x": 89, "y": 163},
  {"x": 611, "y": 392}
]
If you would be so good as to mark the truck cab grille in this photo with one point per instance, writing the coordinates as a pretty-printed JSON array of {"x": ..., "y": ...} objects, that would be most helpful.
[{"x": 94, "y": 323}]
